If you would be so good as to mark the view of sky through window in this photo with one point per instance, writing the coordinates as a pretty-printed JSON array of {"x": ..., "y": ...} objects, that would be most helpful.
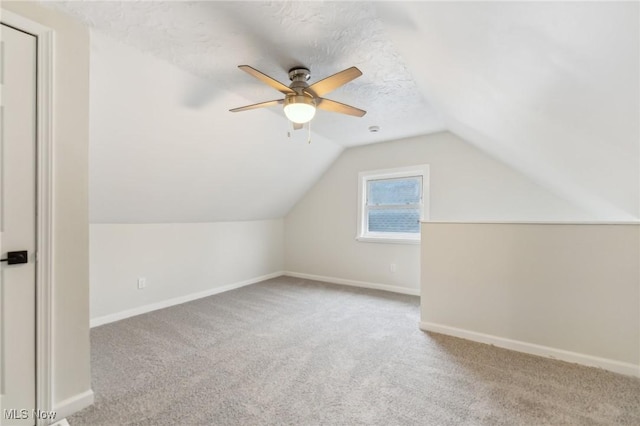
[{"x": 394, "y": 205}]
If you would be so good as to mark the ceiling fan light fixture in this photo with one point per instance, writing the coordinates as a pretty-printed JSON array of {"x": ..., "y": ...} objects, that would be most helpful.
[
  {"x": 299, "y": 108},
  {"x": 301, "y": 100}
]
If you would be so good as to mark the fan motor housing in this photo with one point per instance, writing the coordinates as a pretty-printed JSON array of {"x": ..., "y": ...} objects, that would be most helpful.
[
  {"x": 299, "y": 77},
  {"x": 299, "y": 99},
  {"x": 299, "y": 74}
]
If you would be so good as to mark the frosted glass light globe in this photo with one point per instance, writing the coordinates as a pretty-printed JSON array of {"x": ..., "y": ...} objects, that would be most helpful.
[{"x": 299, "y": 109}]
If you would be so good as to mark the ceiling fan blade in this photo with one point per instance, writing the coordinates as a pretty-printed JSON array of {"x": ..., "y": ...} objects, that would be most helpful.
[
  {"x": 333, "y": 106},
  {"x": 266, "y": 79},
  {"x": 331, "y": 83},
  {"x": 297, "y": 126},
  {"x": 260, "y": 105}
]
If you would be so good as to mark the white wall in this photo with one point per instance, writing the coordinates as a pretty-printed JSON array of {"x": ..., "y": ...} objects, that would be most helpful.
[
  {"x": 166, "y": 149},
  {"x": 179, "y": 261},
  {"x": 70, "y": 337},
  {"x": 466, "y": 184},
  {"x": 571, "y": 291},
  {"x": 167, "y": 181}
]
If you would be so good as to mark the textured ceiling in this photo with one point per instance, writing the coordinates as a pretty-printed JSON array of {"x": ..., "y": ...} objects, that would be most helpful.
[
  {"x": 550, "y": 88},
  {"x": 209, "y": 39}
]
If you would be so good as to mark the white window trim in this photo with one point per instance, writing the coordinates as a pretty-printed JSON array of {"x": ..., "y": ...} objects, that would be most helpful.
[{"x": 400, "y": 172}]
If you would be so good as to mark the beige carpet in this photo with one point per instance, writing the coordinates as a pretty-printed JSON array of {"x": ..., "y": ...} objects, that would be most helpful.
[{"x": 296, "y": 352}]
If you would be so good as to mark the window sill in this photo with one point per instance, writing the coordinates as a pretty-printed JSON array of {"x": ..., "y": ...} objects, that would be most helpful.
[{"x": 387, "y": 240}]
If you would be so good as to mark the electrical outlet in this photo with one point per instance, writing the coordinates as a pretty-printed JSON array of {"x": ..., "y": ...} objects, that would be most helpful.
[
  {"x": 142, "y": 283},
  {"x": 393, "y": 267}
]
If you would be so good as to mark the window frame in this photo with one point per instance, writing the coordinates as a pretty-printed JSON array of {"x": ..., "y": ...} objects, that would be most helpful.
[{"x": 363, "y": 234}]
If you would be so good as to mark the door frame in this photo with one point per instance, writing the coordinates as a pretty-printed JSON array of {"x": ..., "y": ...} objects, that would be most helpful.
[{"x": 45, "y": 43}]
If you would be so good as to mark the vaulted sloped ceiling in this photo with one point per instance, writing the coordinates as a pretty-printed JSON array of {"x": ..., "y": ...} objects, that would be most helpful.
[{"x": 549, "y": 88}]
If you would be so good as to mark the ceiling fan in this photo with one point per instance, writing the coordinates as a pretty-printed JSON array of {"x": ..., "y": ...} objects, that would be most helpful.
[{"x": 301, "y": 100}]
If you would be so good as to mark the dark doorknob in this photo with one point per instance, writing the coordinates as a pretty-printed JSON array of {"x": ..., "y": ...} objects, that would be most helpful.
[{"x": 16, "y": 257}]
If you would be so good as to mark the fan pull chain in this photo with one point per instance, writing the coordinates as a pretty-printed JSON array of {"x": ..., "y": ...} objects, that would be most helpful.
[{"x": 309, "y": 127}]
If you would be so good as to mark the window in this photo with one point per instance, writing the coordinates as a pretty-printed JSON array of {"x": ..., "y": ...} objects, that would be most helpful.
[{"x": 392, "y": 203}]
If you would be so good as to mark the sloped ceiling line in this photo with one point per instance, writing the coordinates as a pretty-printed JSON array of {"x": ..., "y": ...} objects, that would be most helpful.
[
  {"x": 549, "y": 88},
  {"x": 552, "y": 89}
]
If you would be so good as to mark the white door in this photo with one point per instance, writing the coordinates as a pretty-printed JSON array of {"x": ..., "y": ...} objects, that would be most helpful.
[{"x": 17, "y": 226}]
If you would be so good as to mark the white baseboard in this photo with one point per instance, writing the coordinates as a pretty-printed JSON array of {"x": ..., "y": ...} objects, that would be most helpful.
[
  {"x": 72, "y": 405},
  {"x": 354, "y": 283},
  {"x": 533, "y": 349},
  {"x": 177, "y": 300}
]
